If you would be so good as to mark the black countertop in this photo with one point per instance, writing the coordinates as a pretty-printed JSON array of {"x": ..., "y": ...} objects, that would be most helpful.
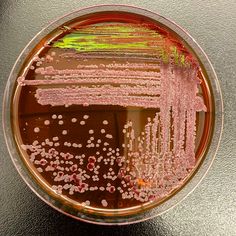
[{"x": 211, "y": 208}]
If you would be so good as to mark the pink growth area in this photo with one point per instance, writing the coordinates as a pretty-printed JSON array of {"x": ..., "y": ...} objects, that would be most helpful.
[{"x": 150, "y": 162}]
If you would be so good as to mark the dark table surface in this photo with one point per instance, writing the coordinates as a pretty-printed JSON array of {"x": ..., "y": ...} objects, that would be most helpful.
[{"x": 211, "y": 208}]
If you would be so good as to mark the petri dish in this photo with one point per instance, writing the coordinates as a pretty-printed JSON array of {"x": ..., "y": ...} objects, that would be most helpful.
[{"x": 112, "y": 114}]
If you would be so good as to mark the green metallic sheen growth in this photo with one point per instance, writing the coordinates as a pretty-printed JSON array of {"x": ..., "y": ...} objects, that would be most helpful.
[{"x": 120, "y": 37}]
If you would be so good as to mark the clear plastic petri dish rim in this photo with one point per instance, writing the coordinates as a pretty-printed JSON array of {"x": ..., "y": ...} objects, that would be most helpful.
[{"x": 149, "y": 210}]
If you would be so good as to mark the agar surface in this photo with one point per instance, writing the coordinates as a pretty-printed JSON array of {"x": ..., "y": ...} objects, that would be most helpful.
[{"x": 144, "y": 68}]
